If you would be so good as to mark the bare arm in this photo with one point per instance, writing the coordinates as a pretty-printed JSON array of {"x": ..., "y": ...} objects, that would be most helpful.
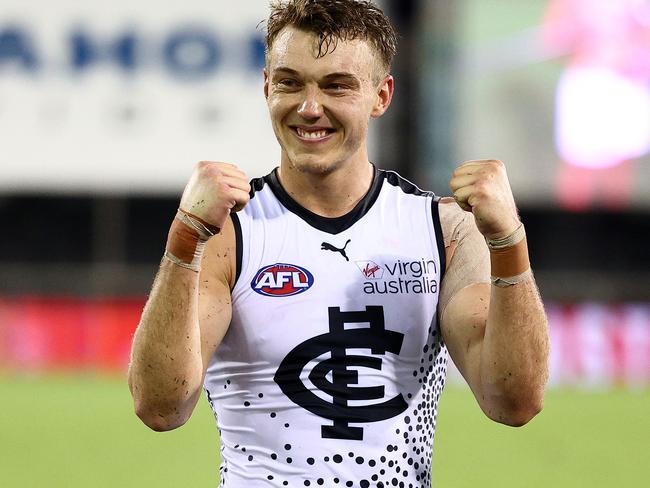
[
  {"x": 498, "y": 339},
  {"x": 188, "y": 312},
  {"x": 185, "y": 318},
  {"x": 497, "y": 336}
]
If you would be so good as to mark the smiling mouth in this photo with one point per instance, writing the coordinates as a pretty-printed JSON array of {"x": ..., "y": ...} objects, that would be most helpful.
[{"x": 313, "y": 134}]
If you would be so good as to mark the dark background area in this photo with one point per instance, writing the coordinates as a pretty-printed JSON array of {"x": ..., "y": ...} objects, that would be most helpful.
[{"x": 111, "y": 246}]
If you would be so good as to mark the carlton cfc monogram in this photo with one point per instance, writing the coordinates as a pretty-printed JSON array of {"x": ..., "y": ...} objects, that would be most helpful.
[{"x": 376, "y": 338}]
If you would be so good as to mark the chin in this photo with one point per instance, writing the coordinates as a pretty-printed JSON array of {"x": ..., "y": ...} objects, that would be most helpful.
[{"x": 313, "y": 165}]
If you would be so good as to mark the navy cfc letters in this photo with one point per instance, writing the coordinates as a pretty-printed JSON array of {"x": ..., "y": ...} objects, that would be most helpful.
[{"x": 377, "y": 339}]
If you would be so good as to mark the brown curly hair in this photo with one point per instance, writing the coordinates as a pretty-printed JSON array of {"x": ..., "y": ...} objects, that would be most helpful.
[{"x": 335, "y": 20}]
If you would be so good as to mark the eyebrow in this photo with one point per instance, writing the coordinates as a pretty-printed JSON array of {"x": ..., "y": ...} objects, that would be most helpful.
[
  {"x": 347, "y": 76},
  {"x": 339, "y": 75},
  {"x": 286, "y": 70}
]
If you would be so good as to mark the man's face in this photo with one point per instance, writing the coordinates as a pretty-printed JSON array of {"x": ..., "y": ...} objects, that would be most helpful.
[{"x": 320, "y": 107}]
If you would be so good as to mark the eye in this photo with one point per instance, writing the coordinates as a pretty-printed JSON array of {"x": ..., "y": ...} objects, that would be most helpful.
[
  {"x": 336, "y": 86},
  {"x": 287, "y": 83}
]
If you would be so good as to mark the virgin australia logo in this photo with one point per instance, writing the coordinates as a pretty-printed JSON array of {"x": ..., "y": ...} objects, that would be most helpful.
[
  {"x": 400, "y": 277},
  {"x": 376, "y": 338},
  {"x": 371, "y": 270}
]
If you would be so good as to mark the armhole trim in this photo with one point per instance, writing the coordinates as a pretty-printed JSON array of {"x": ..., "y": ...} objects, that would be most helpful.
[
  {"x": 435, "y": 214},
  {"x": 239, "y": 251},
  {"x": 440, "y": 241}
]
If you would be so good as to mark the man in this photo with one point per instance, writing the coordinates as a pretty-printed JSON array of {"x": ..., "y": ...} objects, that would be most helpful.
[{"x": 311, "y": 316}]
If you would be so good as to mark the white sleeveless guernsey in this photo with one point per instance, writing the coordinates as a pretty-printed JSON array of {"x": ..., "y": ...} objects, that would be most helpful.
[{"x": 332, "y": 367}]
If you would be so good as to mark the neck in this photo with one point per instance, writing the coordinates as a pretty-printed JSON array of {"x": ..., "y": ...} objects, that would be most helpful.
[{"x": 329, "y": 194}]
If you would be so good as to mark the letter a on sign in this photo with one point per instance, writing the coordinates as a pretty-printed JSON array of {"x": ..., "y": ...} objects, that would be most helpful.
[{"x": 266, "y": 280}]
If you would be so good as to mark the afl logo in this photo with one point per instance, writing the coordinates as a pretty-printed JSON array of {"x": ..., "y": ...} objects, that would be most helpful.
[{"x": 282, "y": 280}]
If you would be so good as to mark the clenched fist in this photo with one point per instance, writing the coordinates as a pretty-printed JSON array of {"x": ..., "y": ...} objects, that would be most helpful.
[
  {"x": 482, "y": 187},
  {"x": 215, "y": 190}
]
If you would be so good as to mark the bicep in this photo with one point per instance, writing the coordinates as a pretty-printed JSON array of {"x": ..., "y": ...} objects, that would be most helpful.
[
  {"x": 216, "y": 281},
  {"x": 463, "y": 329},
  {"x": 465, "y": 293}
]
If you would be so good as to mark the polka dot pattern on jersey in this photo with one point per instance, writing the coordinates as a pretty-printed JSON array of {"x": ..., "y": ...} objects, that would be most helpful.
[{"x": 405, "y": 461}]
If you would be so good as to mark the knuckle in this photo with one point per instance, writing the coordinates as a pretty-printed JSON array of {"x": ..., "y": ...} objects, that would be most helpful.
[
  {"x": 204, "y": 164},
  {"x": 206, "y": 169},
  {"x": 214, "y": 166},
  {"x": 497, "y": 163},
  {"x": 224, "y": 190},
  {"x": 489, "y": 172}
]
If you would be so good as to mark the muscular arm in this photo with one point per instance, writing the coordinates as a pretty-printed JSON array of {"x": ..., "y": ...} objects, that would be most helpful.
[
  {"x": 497, "y": 337},
  {"x": 189, "y": 309},
  {"x": 185, "y": 318}
]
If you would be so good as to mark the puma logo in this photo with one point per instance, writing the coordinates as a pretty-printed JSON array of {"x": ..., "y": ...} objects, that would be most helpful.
[{"x": 326, "y": 246}]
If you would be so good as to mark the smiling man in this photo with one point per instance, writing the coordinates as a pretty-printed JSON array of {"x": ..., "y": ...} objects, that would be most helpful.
[{"x": 318, "y": 305}]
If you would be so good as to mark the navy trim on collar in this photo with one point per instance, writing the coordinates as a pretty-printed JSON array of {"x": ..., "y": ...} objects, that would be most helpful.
[{"x": 331, "y": 225}]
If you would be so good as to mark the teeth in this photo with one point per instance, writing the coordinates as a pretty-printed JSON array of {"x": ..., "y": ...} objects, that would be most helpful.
[{"x": 311, "y": 135}]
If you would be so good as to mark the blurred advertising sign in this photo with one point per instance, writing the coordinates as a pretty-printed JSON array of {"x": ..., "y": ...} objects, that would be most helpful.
[
  {"x": 67, "y": 334},
  {"x": 127, "y": 96},
  {"x": 569, "y": 83},
  {"x": 596, "y": 345},
  {"x": 593, "y": 345}
]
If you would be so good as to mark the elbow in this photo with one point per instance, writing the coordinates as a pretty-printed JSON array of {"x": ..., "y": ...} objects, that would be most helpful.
[
  {"x": 156, "y": 420},
  {"x": 158, "y": 415},
  {"x": 519, "y": 417},
  {"x": 517, "y": 413}
]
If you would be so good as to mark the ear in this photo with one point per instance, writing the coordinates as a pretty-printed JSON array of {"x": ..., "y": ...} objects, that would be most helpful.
[
  {"x": 384, "y": 97},
  {"x": 266, "y": 84}
]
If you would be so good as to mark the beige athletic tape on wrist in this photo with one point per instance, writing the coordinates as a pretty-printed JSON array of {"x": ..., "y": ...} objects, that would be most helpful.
[
  {"x": 509, "y": 259},
  {"x": 512, "y": 280},
  {"x": 204, "y": 229},
  {"x": 186, "y": 240},
  {"x": 508, "y": 241},
  {"x": 195, "y": 265}
]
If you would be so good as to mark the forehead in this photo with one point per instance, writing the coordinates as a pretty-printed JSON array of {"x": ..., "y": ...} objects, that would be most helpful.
[{"x": 297, "y": 49}]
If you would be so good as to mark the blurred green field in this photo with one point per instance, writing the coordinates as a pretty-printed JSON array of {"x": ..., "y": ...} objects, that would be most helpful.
[{"x": 81, "y": 432}]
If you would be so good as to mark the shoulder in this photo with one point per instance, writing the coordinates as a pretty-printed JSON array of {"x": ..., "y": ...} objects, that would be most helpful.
[
  {"x": 220, "y": 256},
  {"x": 396, "y": 180},
  {"x": 455, "y": 222}
]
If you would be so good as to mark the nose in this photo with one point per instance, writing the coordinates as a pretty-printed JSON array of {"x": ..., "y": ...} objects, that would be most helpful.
[{"x": 311, "y": 108}]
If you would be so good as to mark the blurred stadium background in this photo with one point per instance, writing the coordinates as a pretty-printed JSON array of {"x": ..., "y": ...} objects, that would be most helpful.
[{"x": 106, "y": 106}]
